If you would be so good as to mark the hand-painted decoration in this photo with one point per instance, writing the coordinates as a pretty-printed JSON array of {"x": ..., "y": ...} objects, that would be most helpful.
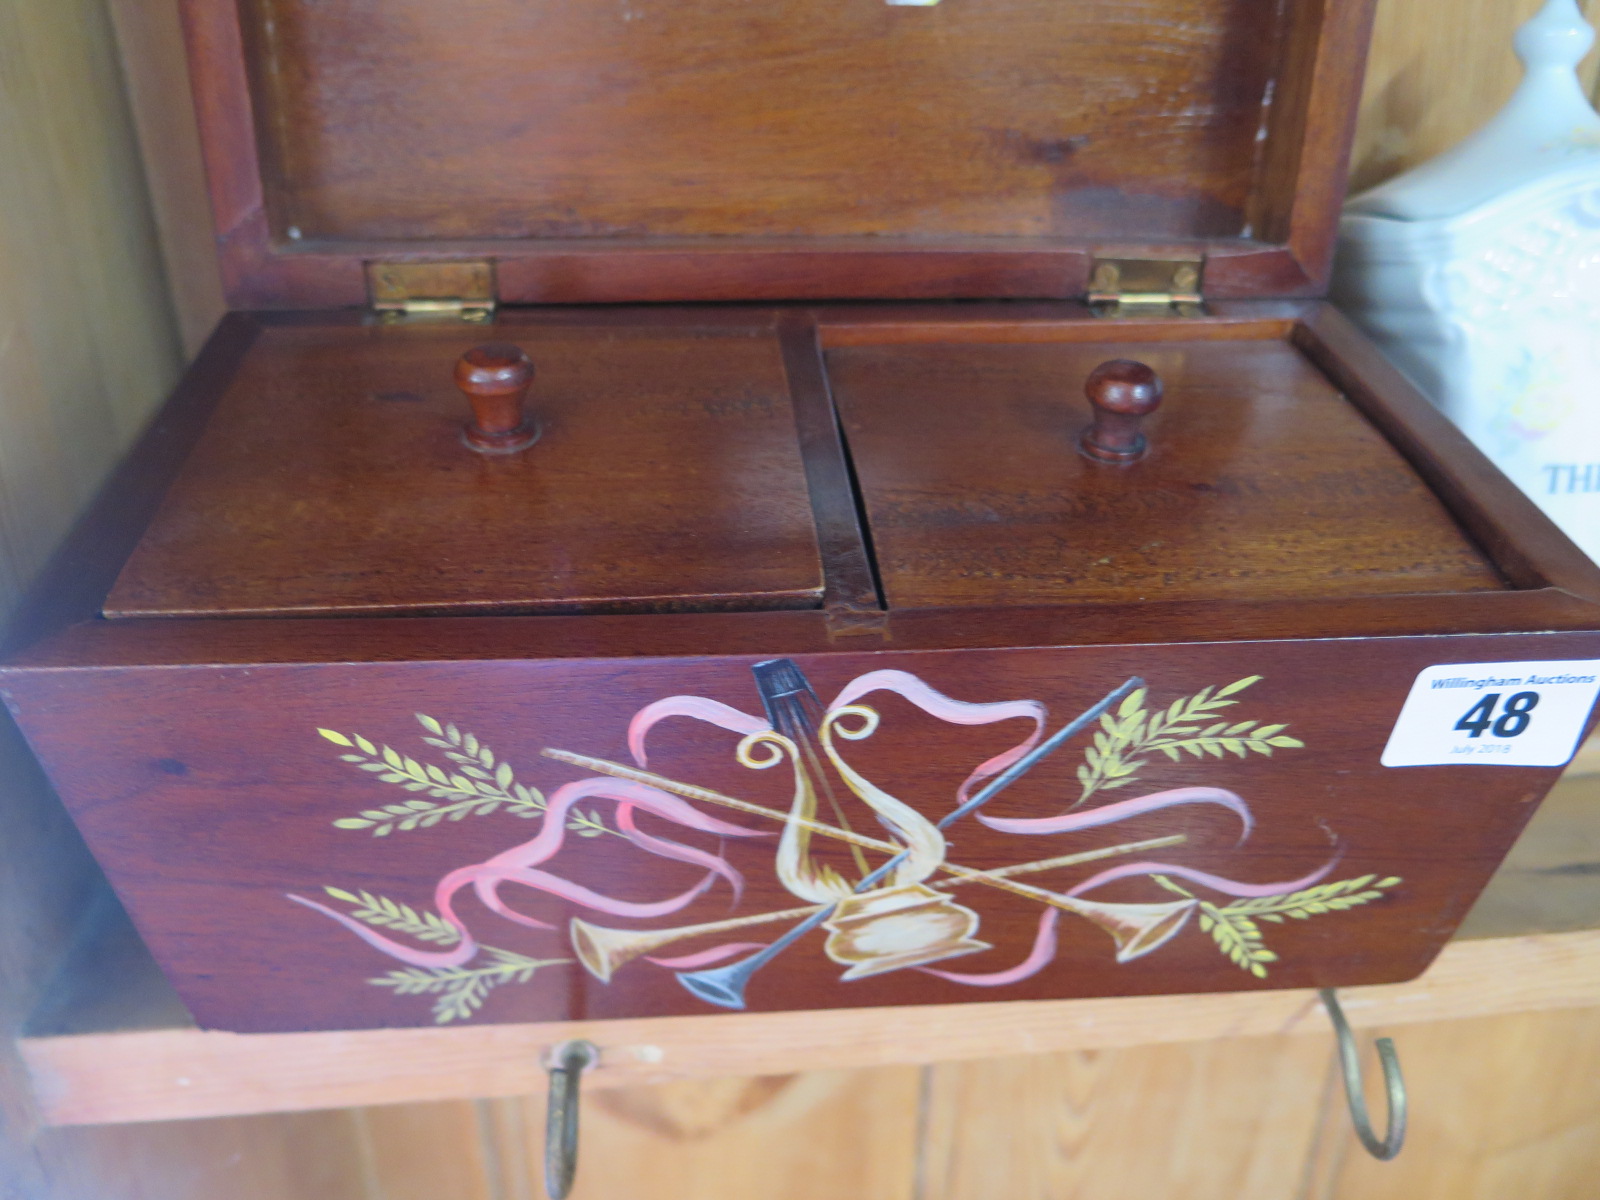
[{"x": 916, "y": 908}]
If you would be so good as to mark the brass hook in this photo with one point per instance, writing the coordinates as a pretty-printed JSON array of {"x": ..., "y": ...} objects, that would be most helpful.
[
  {"x": 1394, "y": 1085},
  {"x": 567, "y": 1063}
]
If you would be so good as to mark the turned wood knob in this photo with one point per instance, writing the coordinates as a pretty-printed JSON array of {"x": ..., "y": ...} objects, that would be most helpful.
[
  {"x": 496, "y": 378},
  {"x": 1122, "y": 394}
]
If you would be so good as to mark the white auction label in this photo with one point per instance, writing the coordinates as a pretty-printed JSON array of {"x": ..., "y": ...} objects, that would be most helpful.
[{"x": 1509, "y": 714}]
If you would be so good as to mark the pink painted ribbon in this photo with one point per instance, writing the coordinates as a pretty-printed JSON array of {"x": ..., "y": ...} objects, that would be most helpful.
[
  {"x": 1228, "y": 887},
  {"x": 701, "y": 709},
  {"x": 955, "y": 712},
  {"x": 517, "y": 865},
  {"x": 1044, "y": 950},
  {"x": 706, "y": 958},
  {"x": 1108, "y": 814}
]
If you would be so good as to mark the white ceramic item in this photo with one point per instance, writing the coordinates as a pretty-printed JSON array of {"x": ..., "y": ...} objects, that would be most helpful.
[{"x": 1479, "y": 275}]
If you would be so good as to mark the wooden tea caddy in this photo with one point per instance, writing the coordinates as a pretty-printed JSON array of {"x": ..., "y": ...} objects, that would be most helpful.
[{"x": 834, "y": 651}]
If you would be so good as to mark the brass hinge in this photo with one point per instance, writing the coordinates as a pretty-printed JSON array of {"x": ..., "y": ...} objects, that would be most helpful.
[
  {"x": 462, "y": 291},
  {"x": 1146, "y": 287}
]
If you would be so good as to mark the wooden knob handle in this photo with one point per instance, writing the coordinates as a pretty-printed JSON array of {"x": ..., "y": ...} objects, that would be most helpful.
[
  {"x": 496, "y": 378},
  {"x": 1122, "y": 394}
]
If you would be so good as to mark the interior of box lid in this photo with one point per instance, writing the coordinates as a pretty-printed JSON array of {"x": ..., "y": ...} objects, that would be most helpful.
[
  {"x": 1260, "y": 481},
  {"x": 507, "y": 127},
  {"x": 332, "y": 478}
]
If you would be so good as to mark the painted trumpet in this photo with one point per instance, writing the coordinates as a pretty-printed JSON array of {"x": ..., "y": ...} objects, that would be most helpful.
[
  {"x": 603, "y": 950},
  {"x": 725, "y": 985}
]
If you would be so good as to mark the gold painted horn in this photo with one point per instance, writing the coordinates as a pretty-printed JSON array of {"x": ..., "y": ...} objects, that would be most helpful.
[
  {"x": 602, "y": 950},
  {"x": 1137, "y": 929}
]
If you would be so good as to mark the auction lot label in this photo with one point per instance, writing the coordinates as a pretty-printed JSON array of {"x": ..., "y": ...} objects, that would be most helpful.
[{"x": 1508, "y": 714}]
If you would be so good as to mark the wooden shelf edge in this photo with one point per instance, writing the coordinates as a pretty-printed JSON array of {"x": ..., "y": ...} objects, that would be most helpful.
[{"x": 163, "y": 1074}]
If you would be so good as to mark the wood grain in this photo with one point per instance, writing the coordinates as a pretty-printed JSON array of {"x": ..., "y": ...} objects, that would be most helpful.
[
  {"x": 332, "y": 478},
  {"x": 86, "y": 344},
  {"x": 1231, "y": 1119},
  {"x": 86, "y": 350},
  {"x": 61, "y": 289},
  {"x": 91, "y": 1078},
  {"x": 1260, "y": 479},
  {"x": 1588, "y": 760},
  {"x": 1439, "y": 69},
  {"x": 283, "y": 1157},
  {"x": 156, "y": 73},
  {"x": 1551, "y": 879},
  {"x": 752, "y": 167},
  {"x": 1528, "y": 549},
  {"x": 237, "y": 803},
  {"x": 1501, "y": 1106},
  {"x": 797, "y": 119},
  {"x": 810, "y": 1136},
  {"x": 423, "y": 1152}
]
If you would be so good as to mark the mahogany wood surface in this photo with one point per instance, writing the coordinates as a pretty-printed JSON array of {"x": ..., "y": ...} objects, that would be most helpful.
[
  {"x": 1503, "y": 520},
  {"x": 495, "y": 378},
  {"x": 204, "y": 641},
  {"x": 212, "y": 800},
  {"x": 1260, "y": 480},
  {"x": 56, "y": 627},
  {"x": 333, "y": 478},
  {"x": 1121, "y": 394},
  {"x": 794, "y": 119},
  {"x": 187, "y": 746},
  {"x": 850, "y": 585},
  {"x": 795, "y": 150}
]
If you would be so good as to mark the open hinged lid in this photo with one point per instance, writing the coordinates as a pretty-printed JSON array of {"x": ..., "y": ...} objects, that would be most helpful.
[{"x": 725, "y": 149}]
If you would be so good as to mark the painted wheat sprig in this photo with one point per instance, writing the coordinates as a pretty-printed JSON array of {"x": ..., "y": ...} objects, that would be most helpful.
[
  {"x": 1186, "y": 726},
  {"x": 1313, "y": 901},
  {"x": 478, "y": 785},
  {"x": 1238, "y": 937},
  {"x": 1233, "y": 927},
  {"x": 393, "y": 915},
  {"x": 460, "y": 991}
]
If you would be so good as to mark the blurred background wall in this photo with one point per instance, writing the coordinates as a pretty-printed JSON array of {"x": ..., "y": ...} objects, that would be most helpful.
[{"x": 108, "y": 286}]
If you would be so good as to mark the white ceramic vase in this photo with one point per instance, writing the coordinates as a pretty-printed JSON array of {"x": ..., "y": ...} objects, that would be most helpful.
[{"x": 1479, "y": 275}]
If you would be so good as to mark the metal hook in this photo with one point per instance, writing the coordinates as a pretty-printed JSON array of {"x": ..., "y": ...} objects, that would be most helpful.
[
  {"x": 1394, "y": 1085},
  {"x": 567, "y": 1063}
]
